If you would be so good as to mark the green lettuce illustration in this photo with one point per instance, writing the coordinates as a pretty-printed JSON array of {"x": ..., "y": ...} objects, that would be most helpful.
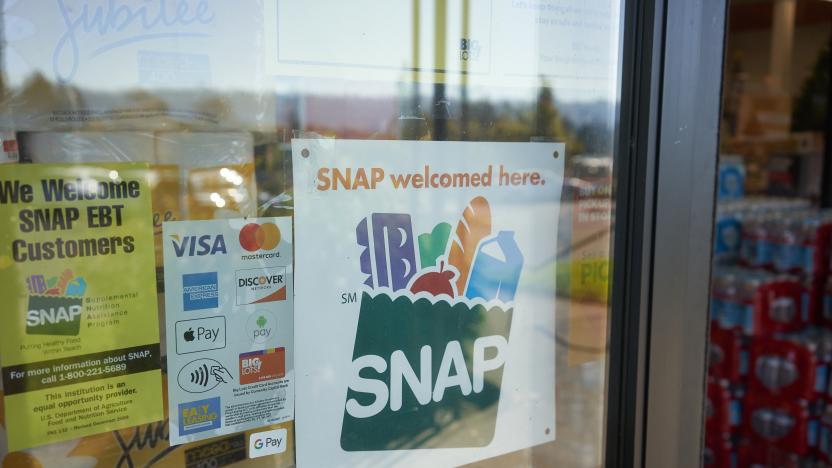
[{"x": 432, "y": 245}]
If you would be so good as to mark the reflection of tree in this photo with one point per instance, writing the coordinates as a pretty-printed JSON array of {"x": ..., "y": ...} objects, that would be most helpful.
[
  {"x": 541, "y": 119},
  {"x": 39, "y": 94},
  {"x": 810, "y": 106},
  {"x": 548, "y": 122}
]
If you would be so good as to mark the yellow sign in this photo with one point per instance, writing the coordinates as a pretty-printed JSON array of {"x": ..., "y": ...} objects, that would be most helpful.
[{"x": 80, "y": 337}]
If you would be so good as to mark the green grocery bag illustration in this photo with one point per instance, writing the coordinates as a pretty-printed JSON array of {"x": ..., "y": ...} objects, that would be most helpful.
[{"x": 431, "y": 344}]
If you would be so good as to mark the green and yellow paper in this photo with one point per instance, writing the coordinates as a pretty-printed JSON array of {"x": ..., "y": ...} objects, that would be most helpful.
[{"x": 80, "y": 337}]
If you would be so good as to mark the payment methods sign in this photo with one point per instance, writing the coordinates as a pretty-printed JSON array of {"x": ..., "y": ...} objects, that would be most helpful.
[{"x": 229, "y": 326}]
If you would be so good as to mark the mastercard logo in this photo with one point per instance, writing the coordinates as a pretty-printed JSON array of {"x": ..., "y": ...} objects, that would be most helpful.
[{"x": 254, "y": 237}]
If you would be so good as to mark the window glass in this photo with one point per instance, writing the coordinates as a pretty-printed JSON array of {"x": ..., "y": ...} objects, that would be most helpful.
[
  {"x": 179, "y": 221},
  {"x": 770, "y": 338}
]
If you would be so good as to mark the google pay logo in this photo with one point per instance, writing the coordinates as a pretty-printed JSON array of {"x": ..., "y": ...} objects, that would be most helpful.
[{"x": 265, "y": 443}]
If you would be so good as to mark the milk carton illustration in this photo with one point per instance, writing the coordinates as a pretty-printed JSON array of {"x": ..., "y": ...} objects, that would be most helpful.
[{"x": 496, "y": 270}]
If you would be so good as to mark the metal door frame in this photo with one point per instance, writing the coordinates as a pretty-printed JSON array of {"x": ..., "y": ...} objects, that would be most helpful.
[{"x": 666, "y": 160}]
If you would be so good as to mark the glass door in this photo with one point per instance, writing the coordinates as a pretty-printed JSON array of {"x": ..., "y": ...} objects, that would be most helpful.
[{"x": 314, "y": 233}]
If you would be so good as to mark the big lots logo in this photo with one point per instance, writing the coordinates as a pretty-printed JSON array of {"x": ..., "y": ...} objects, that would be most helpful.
[
  {"x": 433, "y": 331},
  {"x": 198, "y": 245},
  {"x": 260, "y": 366}
]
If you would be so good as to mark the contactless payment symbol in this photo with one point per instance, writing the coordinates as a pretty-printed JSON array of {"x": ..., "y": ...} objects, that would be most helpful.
[
  {"x": 199, "y": 416},
  {"x": 200, "y": 291},
  {"x": 201, "y": 375},
  {"x": 254, "y": 237}
]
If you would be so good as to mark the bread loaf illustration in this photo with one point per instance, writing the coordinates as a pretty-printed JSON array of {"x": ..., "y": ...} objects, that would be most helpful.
[{"x": 474, "y": 226}]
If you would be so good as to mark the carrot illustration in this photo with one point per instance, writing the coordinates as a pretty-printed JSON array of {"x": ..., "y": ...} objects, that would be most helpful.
[{"x": 474, "y": 225}]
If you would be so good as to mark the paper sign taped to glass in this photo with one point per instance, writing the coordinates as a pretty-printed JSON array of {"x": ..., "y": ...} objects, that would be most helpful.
[
  {"x": 79, "y": 335},
  {"x": 430, "y": 320}
]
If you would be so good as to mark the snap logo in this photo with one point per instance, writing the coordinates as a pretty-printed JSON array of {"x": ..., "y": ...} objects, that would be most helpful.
[
  {"x": 198, "y": 246},
  {"x": 254, "y": 237},
  {"x": 56, "y": 304},
  {"x": 410, "y": 374},
  {"x": 267, "y": 443},
  {"x": 258, "y": 285}
]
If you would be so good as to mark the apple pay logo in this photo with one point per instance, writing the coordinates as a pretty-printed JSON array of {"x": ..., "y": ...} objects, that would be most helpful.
[
  {"x": 197, "y": 335},
  {"x": 265, "y": 443}
]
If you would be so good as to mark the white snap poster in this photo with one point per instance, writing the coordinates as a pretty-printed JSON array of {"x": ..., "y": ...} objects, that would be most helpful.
[
  {"x": 426, "y": 312},
  {"x": 228, "y": 319}
]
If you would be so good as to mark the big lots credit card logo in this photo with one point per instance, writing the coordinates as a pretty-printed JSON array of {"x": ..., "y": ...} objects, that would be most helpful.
[
  {"x": 56, "y": 304},
  {"x": 261, "y": 366},
  {"x": 258, "y": 285},
  {"x": 433, "y": 331}
]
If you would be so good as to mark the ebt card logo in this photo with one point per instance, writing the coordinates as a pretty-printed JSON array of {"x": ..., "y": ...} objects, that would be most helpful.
[
  {"x": 95, "y": 27},
  {"x": 433, "y": 331},
  {"x": 55, "y": 304},
  {"x": 199, "y": 416}
]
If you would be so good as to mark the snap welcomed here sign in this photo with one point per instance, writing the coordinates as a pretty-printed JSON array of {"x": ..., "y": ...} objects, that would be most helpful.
[{"x": 430, "y": 320}]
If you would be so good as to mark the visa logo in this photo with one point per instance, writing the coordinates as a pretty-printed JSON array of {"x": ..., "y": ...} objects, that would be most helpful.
[{"x": 198, "y": 245}]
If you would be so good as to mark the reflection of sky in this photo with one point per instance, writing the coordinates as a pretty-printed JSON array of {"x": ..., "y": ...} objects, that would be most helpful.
[{"x": 111, "y": 45}]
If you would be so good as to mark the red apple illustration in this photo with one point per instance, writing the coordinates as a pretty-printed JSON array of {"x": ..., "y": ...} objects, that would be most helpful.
[{"x": 435, "y": 282}]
